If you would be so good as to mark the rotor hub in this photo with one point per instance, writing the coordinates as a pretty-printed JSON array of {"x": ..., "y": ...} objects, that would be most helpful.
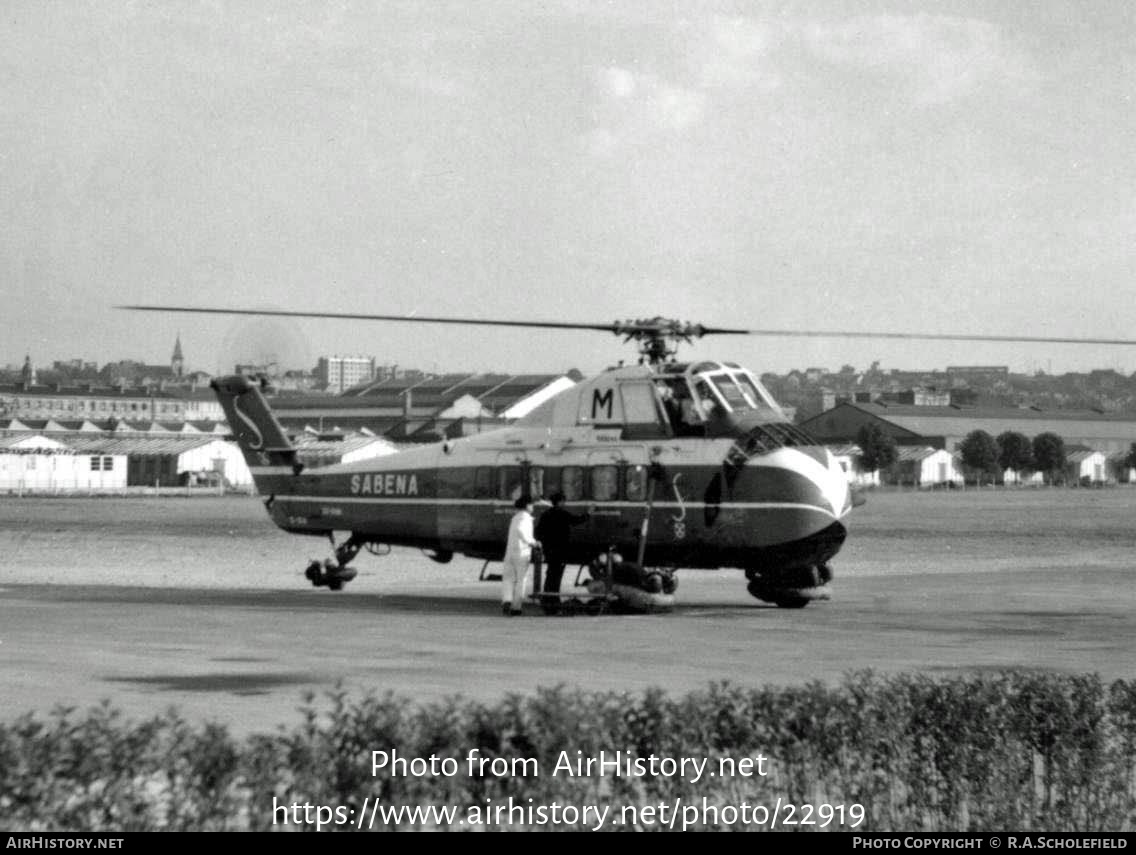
[{"x": 658, "y": 338}]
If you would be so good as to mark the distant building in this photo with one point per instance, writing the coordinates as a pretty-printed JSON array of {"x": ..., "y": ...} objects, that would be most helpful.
[
  {"x": 315, "y": 450},
  {"x": 177, "y": 362},
  {"x": 36, "y": 463},
  {"x": 171, "y": 461},
  {"x": 980, "y": 372},
  {"x": 88, "y": 402},
  {"x": 28, "y": 373},
  {"x": 415, "y": 408},
  {"x": 337, "y": 374},
  {"x": 925, "y": 467},
  {"x": 200, "y": 404},
  {"x": 918, "y": 397},
  {"x": 946, "y": 427},
  {"x": 1085, "y": 465}
]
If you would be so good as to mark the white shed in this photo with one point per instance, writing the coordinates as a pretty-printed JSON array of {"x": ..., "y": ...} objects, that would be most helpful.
[
  {"x": 170, "y": 461},
  {"x": 1086, "y": 465},
  {"x": 926, "y": 467},
  {"x": 1010, "y": 476},
  {"x": 38, "y": 464}
]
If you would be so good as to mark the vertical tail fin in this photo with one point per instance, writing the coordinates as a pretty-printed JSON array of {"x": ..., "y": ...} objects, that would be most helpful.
[{"x": 261, "y": 438}]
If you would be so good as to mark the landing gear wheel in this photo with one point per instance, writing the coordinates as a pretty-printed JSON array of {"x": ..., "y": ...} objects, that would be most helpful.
[
  {"x": 329, "y": 574},
  {"x": 785, "y": 597},
  {"x": 788, "y": 601}
]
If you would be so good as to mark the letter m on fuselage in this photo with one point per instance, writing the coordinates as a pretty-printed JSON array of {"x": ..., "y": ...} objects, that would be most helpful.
[{"x": 602, "y": 403}]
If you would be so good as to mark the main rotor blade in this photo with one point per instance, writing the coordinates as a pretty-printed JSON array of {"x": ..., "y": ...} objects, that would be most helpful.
[
  {"x": 651, "y": 326},
  {"x": 361, "y": 317},
  {"x": 939, "y": 336}
]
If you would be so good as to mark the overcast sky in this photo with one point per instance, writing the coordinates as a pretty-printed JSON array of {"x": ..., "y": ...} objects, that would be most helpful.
[{"x": 963, "y": 167}]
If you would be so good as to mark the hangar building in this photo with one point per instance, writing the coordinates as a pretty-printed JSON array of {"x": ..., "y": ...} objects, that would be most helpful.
[
  {"x": 946, "y": 427},
  {"x": 36, "y": 463},
  {"x": 422, "y": 409},
  {"x": 171, "y": 461}
]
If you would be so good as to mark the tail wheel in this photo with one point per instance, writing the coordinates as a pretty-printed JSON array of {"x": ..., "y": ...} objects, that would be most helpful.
[{"x": 653, "y": 584}]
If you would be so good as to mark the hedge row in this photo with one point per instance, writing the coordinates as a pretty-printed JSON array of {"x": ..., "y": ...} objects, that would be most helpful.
[{"x": 1009, "y": 750}]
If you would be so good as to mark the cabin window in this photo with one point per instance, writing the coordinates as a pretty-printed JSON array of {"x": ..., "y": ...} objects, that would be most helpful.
[
  {"x": 551, "y": 482},
  {"x": 636, "y": 483},
  {"x": 536, "y": 482},
  {"x": 572, "y": 483},
  {"x": 108, "y": 464},
  {"x": 483, "y": 483},
  {"x": 96, "y": 464},
  {"x": 605, "y": 483},
  {"x": 509, "y": 482}
]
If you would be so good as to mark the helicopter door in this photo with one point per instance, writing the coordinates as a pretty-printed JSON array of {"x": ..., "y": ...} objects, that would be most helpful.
[
  {"x": 510, "y": 479},
  {"x": 616, "y": 485}
]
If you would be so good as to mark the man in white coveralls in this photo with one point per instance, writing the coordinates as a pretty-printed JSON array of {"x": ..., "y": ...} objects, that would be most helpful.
[{"x": 518, "y": 554}]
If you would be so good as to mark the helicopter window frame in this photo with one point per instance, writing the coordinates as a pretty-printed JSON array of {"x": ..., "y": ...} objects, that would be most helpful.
[
  {"x": 603, "y": 483},
  {"x": 573, "y": 483},
  {"x": 641, "y": 404},
  {"x": 723, "y": 382},
  {"x": 701, "y": 398},
  {"x": 680, "y": 404},
  {"x": 536, "y": 482},
  {"x": 552, "y": 477},
  {"x": 510, "y": 482},
  {"x": 483, "y": 486},
  {"x": 764, "y": 402},
  {"x": 635, "y": 483}
]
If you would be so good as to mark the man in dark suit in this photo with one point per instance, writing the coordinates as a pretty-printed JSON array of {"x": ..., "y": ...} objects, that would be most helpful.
[{"x": 554, "y": 531}]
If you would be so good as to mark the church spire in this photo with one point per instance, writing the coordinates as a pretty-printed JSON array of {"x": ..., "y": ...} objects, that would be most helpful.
[
  {"x": 177, "y": 362},
  {"x": 28, "y": 373}
]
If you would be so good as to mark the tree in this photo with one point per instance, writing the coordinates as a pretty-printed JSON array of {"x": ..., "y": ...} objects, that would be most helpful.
[
  {"x": 1130, "y": 458},
  {"x": 980, "y": 452},
  {"x": 877, "y": 449},
  {"x": 1014, "y": 451},
  {"x": 1049, "y": 455}
]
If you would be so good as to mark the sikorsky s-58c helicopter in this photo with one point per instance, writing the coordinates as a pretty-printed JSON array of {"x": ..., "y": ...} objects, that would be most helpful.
[{"x": 682, "y": 465}]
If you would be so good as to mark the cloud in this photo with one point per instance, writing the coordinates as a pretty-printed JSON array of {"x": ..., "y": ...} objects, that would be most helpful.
[
  {"x": 737, "y": 53},
  {"x": 941, "y": 58},
  {"x": 927, "y": 60},
  {"x": 617, "y": 82},
  {"x": 638, "y": 107}
]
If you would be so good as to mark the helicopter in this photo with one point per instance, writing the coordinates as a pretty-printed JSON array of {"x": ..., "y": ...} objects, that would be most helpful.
[{"x": 688, "y": 465}]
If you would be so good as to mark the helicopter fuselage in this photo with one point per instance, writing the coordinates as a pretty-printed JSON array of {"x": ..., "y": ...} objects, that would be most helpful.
[{"x": 721, "y": 477}]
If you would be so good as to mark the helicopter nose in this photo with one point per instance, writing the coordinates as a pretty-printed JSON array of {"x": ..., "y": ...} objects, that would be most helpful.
[{"x": 811, "y": 476}]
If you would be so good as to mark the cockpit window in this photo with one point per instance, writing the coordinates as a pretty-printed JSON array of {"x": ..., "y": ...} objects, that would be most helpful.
[
  {"x": 709, "y": 403},
  {"x": 681, "y": 407},
  {"x": 729, "y": 390},
  {"x": 763, "y": 403}
]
